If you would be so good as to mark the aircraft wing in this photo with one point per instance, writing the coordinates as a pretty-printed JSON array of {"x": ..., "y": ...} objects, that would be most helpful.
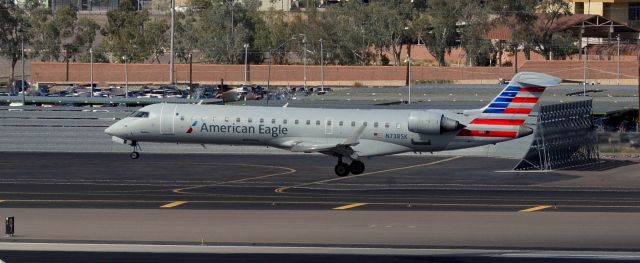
[{"x": 324, "y": 145}]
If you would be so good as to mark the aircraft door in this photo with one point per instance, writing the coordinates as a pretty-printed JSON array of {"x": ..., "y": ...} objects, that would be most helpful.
[
  {"x": 328, "y": 126},
  {"x": 167, "y": 119}
]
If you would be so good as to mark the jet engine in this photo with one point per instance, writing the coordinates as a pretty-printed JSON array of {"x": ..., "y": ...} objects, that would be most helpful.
[{"x": 432, "y": 123}]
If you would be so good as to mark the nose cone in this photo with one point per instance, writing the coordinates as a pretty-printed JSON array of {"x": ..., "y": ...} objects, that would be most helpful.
[{"x": 115, "y": 129}]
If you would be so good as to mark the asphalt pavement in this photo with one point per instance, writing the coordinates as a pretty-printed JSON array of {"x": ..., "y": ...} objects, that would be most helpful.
[{"x": 306, "y": 182}]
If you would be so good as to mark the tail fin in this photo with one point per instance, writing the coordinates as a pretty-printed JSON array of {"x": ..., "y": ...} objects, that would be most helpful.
[
  {"x": 505, "y": 115},
  {"x": 521, "y": 95}
]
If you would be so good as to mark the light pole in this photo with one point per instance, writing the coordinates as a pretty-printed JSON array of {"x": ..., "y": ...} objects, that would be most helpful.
[
  {"x": 322, "y": 64},
  {"x": 91, "y": 69},
  {"x": 190, "y": 74},
  {"x": 246, "y": 68},
  {"x": 618, "y": 74},
  {"x": 304, "y": 58},
  {"x": 172, "y": 55},
  {"x": 22, "y": 58},
  {"x": 126, "y": 77},
  {"x": 584, "y": 63},
  {"x": 409, "y": 61}
]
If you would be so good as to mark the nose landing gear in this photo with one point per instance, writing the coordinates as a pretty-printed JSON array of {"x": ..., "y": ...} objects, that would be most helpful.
[
  {"x": 342, "y": 169},
  {"x": 135, "y": 155}
]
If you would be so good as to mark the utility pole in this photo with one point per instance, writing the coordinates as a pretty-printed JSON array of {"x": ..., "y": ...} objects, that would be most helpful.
[
  {"x": 322, "y": 64},
  {"x": 246, "y": 68},
  {"x": 91, "y": 69},
  {"x": 171, "y": 57}
]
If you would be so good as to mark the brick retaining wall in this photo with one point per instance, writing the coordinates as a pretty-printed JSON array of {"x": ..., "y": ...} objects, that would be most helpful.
[{"x": 106, "y": 74}]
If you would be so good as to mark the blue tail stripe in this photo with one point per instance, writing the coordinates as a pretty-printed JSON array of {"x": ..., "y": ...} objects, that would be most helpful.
[
  {"x": 508, "y": 94},
  {"x": 499, "y": 99},
  {"x": 493, "y": 110},
  {"x": 512, "y": 88},
  {"x": 499, "y": 105}
]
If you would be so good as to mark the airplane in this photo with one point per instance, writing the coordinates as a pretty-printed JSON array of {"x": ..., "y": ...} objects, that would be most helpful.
[{"x": 348, "y": 134}]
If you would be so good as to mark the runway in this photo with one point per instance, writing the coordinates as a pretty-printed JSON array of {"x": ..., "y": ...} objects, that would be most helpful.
[
  {"x": 187, "y": 181},
  {"x": 417, "y": 202}
]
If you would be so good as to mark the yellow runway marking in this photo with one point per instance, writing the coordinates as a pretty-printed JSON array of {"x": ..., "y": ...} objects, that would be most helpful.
[
  {"x": 281, "y": 190},
  {"x": 2, "y": 201},
  {"x": 287, "y": 171},
  {"x": 535, "y": 208},
  {"x": 173, "y": 204},
  {"x": 345, "y": 207}
]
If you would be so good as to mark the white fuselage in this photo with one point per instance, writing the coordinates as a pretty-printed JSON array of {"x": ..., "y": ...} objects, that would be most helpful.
[{"x": 386, "y": 131}]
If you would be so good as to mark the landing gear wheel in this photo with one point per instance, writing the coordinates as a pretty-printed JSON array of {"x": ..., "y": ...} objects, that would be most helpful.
[
  {"x": 356, "y": 167},
  {"x": 342, "y": 169},
  {"x": 134, "y": 155}
]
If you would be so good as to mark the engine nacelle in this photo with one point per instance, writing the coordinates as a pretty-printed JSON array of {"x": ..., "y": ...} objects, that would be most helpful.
[{"x": 431, "y": 123}]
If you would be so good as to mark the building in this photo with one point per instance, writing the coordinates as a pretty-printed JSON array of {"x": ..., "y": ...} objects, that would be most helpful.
[
  {"x": 279, "y": 5},
  {"x": 623, "y": 11}
]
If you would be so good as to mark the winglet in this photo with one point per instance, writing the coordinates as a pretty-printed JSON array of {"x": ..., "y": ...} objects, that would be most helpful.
[
  {"x": 354, "y": 139},
  {"x": 285, "y": 105}
]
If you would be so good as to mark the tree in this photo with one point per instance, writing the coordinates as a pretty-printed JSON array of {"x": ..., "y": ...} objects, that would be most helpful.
[
  {"x": 155, "y": 37},
  {"x": 124, "y": 33},
  {"x": 390, "y": 23},
  {"x": 223, "y": 27},
  {"x": 14, "y": 29},
  {"x": 532, "y": 24},
  {"x": 63, "y": 34},
  {"x": 474, "y": 21},
  {"x": 438, "y": 26}
]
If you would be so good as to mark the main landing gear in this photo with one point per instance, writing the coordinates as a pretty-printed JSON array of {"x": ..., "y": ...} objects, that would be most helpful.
[
  {"x": 343, "y": 169},
  {"x": 135, "y": 155}
]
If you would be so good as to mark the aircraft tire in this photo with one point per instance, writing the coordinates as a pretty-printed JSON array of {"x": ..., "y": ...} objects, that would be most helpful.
[
  {"x": 134, "y": 155},
  {"x": 342, "y": 169},
  {"x": 356, "y": 167}
]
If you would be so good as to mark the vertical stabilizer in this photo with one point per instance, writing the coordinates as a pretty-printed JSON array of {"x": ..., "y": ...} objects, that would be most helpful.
[{"x": 505, "y": 115}]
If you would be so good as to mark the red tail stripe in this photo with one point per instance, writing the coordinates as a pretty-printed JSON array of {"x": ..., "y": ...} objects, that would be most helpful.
[
  {"x": 524, "y": 100},
  {"x": 517, "y": 110},
  {"x": 498, "y": 122},
  {"x": 475, "y": 133},
  {"x": 532, "y": 89}
]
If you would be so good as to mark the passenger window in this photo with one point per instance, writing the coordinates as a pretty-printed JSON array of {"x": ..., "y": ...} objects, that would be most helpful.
[
  {"x": 375, "y": 124},
  {"x": 386, "y": 125},
  {"x": 250, "y": 120},
  {"x": 341, "y": 123},
  {"x": 317, "y": 122},
  {"x": 273, "y": 121},
  {"x": 353, "y": 124},
  {"x": 226, "y": 119},
  {"x": 308, "y": 122},
  {"x": 261, "y": 120},
  {"x": 284, "y": 121},
  {"x": 237, "y": 119},
  {"x": 296, "y": 122}
]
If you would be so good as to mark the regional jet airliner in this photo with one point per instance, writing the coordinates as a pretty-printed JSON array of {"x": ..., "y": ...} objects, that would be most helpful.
[{"x": 348, "y": 134}]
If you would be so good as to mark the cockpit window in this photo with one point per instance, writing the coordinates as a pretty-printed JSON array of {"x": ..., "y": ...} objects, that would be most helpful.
[{"x": 140, "y": 114}]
